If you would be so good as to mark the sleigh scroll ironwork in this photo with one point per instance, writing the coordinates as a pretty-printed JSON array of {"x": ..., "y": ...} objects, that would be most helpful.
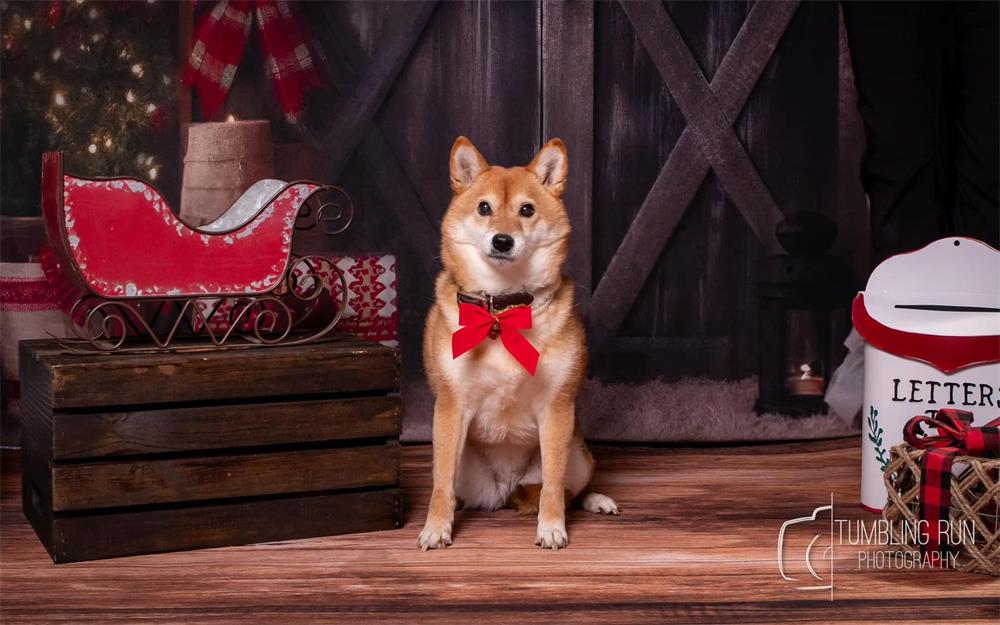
[{"x": 147, "y": 280}]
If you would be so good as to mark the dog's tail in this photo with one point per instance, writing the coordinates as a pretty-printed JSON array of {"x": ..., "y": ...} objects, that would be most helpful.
[{"x": 525, "y": 497}]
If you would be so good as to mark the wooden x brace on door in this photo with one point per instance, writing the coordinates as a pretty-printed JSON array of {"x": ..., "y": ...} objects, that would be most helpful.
[
  {"x": 708, "y": 140},
  {"x": 354, "y": 127}
]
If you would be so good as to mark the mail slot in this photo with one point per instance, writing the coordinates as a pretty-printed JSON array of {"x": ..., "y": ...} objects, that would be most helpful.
[{"x": 931, "y": 323}]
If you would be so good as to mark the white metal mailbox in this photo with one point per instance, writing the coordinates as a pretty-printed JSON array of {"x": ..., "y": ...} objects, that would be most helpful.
[{"x": 931, "y": 323}]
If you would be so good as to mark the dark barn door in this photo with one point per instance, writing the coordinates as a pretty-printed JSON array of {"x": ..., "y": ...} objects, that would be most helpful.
[
  {"x": 712, "y": 120},
  {"x": 691, "y": 128},
  {"x": 413, "y": 76}
]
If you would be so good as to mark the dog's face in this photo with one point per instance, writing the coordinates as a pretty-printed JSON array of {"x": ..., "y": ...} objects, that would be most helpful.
[{"x": 506, "y": 228}]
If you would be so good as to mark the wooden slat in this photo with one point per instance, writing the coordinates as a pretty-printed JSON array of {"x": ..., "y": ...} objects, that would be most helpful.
[
  {"x": 21, "y": 239},
  {"x": 36, "y": 437},
  {"x": 687, "y": 165},
  {"x": 388, "y": 175},
  {"x": 403, "y": 200},
  {"x": 619, "y": 358},
  {"x": 711, "y": 126},
  {"x": 185, "y": 37},
  {"x": 93, "y": 380},
  {"x": 166, "y": 430},
  {"x": 108, "y": 484},
  {"x": 357, "y": 111},
  {"x": 88, "y": 537},
  {"x": 568, "y": 113},
  {"x": 852, "y": 215},
  {"x": 649, "y": 232}
]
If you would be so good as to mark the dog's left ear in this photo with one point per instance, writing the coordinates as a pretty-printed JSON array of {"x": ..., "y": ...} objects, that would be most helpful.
[
  {"x": 551, "y": 165},
  {"x": 466, "y": 165}
]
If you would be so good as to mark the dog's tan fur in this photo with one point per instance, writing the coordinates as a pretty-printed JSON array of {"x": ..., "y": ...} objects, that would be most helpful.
[{"x": 501, "y": 436}]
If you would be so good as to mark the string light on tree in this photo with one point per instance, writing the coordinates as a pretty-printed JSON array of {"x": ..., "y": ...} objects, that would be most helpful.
[{"x": 93, "y": 76}]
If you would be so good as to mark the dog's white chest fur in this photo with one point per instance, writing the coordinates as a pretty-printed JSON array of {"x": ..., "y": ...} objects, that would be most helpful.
[{"x": 500, "y": 400}]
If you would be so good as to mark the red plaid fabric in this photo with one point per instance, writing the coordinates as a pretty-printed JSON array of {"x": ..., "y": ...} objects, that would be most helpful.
[
  {"x": 955, "y": 437},
  {"x": 291, "y": 57}
]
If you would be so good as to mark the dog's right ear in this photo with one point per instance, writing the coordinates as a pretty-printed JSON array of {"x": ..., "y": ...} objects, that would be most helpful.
[{"x": 466, "y": 165}]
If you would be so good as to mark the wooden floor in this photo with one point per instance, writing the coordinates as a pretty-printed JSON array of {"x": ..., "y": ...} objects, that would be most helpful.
[{"x": 696, "y": 543}]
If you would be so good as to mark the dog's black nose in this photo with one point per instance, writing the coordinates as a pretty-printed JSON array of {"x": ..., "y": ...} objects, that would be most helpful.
[{"x": 503, "y": 242}]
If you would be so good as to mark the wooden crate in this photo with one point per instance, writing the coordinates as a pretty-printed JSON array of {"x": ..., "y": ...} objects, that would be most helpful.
[{"x": 162, "y": 451}]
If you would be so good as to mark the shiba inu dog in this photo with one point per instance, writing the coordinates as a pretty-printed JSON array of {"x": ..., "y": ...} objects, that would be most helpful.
[{"x": 505, "y": 431}]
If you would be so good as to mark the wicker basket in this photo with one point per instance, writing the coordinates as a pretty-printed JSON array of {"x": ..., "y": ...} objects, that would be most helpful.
[{"x": 975, "y": 499}]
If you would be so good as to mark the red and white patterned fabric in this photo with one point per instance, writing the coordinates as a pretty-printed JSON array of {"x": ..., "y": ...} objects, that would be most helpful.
[
  {"x": 372, "y": 306},
  {"x": 29, "y": 309},
  {"x": 291, "y": 57},
  {"x": 372, "y": 309}
]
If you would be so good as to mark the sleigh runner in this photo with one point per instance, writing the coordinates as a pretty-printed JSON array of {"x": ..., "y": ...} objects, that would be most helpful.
[{"x": 144, "y": 279}]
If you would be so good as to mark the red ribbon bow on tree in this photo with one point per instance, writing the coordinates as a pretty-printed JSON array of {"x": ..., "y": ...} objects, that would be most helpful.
[
  {"x": 477, "y": 324},
  {"x": 291, "y": 57},
  {"x": 955, "y": 437}
]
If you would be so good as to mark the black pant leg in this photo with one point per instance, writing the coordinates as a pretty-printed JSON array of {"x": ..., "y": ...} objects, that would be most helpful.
[
  {"x": 977, "y": 158},
  {"x": 899, "y": 56}
]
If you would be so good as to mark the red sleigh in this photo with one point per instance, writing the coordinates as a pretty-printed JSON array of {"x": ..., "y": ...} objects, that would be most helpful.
[{"x": 145, "y": 274}]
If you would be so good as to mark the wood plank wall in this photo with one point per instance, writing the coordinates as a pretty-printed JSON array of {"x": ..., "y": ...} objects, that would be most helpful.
[
  {"x": 511, "y": 74},
  {"x": 703, "y": 286}
]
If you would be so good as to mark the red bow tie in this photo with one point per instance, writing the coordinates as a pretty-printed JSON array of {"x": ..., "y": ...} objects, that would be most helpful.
[{"x": 478, "y": 323}]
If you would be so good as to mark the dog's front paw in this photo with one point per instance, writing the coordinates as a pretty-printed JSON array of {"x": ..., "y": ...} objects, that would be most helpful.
[
  {"x": 551, "y": 535},
  {"x": 435, "y": 535}
]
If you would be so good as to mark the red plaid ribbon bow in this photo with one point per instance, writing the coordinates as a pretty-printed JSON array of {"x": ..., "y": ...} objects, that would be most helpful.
[
  {"x": 477, "y": 322},
  {"x": 291, "y": 57},
  {"x": 955, "y": 437}
]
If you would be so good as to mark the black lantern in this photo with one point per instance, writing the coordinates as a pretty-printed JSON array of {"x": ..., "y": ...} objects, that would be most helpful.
[{"x": 803, "y": 315}]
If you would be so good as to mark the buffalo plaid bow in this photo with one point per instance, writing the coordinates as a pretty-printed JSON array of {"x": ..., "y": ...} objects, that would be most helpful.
[
  {"x": 955, "y": 437},
  {"x": 290, "y": 55}
]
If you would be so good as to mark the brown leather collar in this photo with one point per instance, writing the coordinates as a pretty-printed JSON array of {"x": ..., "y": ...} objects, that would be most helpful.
[{"x": 496, "y": 303}]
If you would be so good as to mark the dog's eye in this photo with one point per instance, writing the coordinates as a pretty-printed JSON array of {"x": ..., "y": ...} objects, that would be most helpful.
[
  {"x": 527, "y": 210},
  {"x": 484, "y": 209}
]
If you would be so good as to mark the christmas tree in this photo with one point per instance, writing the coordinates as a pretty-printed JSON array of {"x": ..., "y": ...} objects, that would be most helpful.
[{"x": 93, "y": 79}]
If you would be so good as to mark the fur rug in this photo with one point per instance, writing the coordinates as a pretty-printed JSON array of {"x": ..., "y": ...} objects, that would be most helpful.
[{"x": 687, "y": 411}]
